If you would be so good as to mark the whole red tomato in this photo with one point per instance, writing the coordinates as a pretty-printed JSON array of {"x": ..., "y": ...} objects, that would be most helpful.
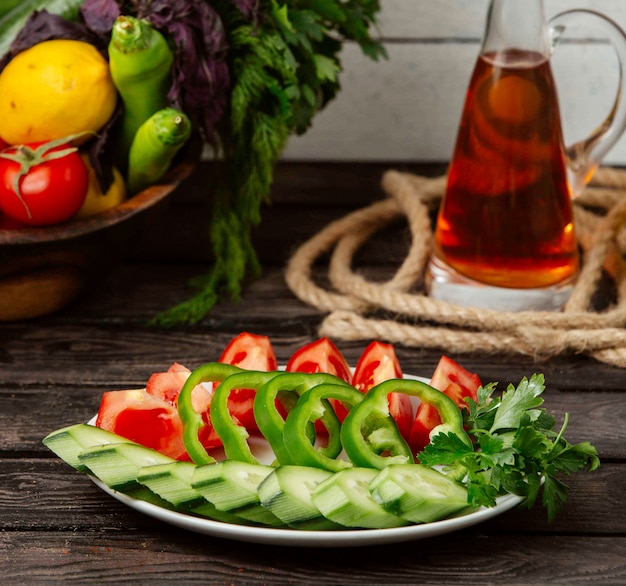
[{"x": 42, "y": 184}]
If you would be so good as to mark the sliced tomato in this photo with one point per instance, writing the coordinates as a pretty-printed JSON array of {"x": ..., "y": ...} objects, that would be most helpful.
[
  {"x": 143, "y": 418},
  {"x": 322, "y": 356},
  {"x": 250, "y": 352},
  {"x": 457, "y": 383},
  {"x": 377, "y": 364},
  {"x": 167, "y": 386}
]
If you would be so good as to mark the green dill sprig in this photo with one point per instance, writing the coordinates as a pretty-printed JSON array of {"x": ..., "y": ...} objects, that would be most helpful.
[
  {"x": 285, "y": 68},
  {"x": 516, "y": 449}
]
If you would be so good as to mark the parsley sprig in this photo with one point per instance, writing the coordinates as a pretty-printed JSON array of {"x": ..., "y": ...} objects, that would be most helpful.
[{"x": 516, "y": 448}]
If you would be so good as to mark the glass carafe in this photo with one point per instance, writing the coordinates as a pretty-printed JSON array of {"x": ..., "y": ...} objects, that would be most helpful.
[{"x": 505, "y": 236}]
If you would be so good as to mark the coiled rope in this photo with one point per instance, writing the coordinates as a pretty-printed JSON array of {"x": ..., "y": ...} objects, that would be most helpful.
[{"x": 359, "y": 308}]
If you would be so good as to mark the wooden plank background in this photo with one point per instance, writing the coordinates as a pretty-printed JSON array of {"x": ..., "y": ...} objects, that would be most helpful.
[{"x": 407, "y": 107}]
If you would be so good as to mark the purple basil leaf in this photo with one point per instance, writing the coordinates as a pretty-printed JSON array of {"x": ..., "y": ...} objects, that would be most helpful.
[
  {"x": 101, "y": 153},
  {"x": 200, "y": 77},
  {"x": 99, "y": 15},
  {"x": 249, "y": 8}
]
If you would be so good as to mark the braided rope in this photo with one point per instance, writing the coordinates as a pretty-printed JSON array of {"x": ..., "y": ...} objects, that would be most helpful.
[{"x": 353, "y": 301}]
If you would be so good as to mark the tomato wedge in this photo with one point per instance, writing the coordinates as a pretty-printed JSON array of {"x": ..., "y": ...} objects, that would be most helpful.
[
  {"x": 250, "y": 352},
  {"x": 322, "y": 356},
  {"x": 456, "y": 382},
  {"x": 377, "y": 364},
  {"x": 167, "y": 385},
  {"x": 143, "y": 418}
]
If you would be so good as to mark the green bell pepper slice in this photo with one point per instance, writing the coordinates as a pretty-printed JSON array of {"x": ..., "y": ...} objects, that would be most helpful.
[
  {"x": 234, "y": 436},
  {"x": 311, "y": 406},
  {"x": 370, "y": 436},
  {"x": 284, "y": 387},
  {"x": 192, "y": 420}
]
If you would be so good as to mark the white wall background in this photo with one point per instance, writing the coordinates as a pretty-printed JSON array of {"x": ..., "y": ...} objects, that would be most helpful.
[{"x": 407, "y": 108}]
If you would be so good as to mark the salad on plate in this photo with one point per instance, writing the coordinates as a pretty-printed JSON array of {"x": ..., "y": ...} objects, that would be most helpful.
[{"x": 319, "y": 448}]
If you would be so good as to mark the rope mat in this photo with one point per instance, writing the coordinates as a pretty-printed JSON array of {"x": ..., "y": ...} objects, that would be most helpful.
[{"x": 399, "y": 311}]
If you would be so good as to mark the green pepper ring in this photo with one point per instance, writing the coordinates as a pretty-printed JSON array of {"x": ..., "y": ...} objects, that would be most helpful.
[
  {"x": 310, "y": 407},
  {"x": 360, "y": 445},
  {"x": 234, "y": 436},
  {"x": 270, "y": 422},
  {"x": 191, "y": 419}
]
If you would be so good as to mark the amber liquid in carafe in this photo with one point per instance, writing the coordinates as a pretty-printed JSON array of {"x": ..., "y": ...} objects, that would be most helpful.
[{"x": 507, "y": 215}]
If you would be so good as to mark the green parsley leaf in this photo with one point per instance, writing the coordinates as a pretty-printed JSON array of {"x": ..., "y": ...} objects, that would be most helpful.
[
  {"x": 445, "y": 449},
  {"x": 516, "y": 402},
  {"x": 516, "y": 449}
]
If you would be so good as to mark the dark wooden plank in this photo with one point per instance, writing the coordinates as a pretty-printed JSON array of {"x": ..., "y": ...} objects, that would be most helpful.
[
  {"x": 69, "y": 352},
  {"x": 136, "y": 293},
  {"x": 308, "y": 182},
  {"x": 181, "y": 235},
  {"x": 41, "y": 494},
  {"x": 124, "y": 556},
  {"x": 304, "y": 198},
  {"x": 107, "y": 331}
]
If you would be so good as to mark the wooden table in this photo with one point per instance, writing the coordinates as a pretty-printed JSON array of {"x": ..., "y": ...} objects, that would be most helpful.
[{"x": 57, "y": 526}]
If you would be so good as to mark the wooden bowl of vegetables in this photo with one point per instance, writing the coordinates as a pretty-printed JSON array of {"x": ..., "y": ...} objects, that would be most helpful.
[
  {"x": 90, "y": 146},
  {"x": 44, "y": 269}
]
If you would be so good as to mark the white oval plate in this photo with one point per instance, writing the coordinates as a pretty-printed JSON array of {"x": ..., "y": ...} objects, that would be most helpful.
[{"x": 301, "y": 538}]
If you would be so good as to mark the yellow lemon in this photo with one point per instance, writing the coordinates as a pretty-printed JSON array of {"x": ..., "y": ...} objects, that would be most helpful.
[
  {"x": 97, "y": 202},
  {"x": 55, "y": 89}
]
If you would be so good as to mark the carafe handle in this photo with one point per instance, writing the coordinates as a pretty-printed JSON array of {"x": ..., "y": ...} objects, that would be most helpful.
[{"x": 584, "y": 157}]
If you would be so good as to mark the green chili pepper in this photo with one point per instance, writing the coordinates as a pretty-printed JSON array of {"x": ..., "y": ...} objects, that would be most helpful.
[
  {"x": 192, "y": 420},
  {"x": 140, "y": 60},
  {"x": 234, "y": 436},
  {"x": 312, "y": 406},
  {"x": 155, "y": 145},
  {"x": 369, "y": 431},
  {"x": 286, "y": 385}
]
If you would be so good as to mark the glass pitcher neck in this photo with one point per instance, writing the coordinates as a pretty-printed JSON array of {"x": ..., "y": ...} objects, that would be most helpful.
[{"x": 516, "y": 25}]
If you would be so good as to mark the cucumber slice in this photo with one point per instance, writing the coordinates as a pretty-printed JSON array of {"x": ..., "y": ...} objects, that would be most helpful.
[
  {"x": 417, "y": 493},
  {"x": 172, "y": 482},
  {"x": 230, "y": 484},
  {"x": 287, "y": 491},
  {"x": 118, "y": 465},
  {"x": 345, "y": 499},
  {"x": 69, "y": 442}
]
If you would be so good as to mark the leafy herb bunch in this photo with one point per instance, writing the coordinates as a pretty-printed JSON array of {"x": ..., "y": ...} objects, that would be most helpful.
[
  {"x": 516, "y": 449},
  {"x": 250, "y": 73}
]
